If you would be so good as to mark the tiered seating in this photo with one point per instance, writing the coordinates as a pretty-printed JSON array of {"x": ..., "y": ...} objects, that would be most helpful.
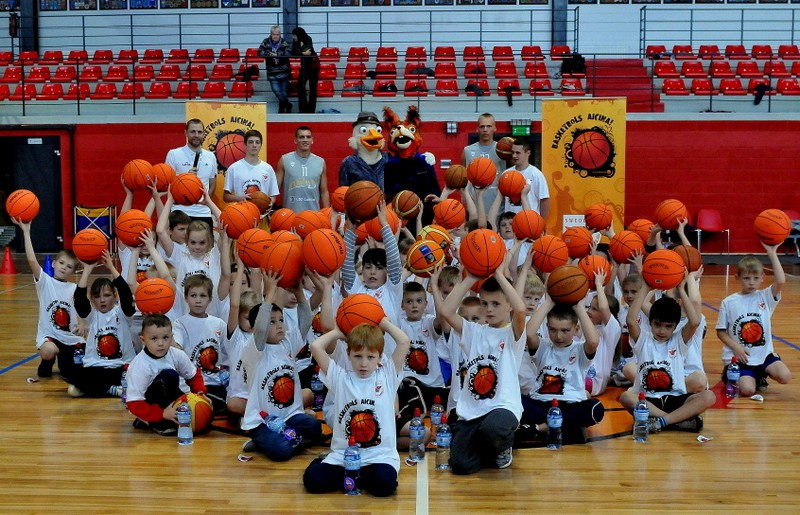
[{"x": 387, "y": 54}]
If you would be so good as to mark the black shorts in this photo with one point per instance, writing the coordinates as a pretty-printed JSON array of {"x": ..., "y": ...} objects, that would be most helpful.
[{"x": 669, "y": 403}]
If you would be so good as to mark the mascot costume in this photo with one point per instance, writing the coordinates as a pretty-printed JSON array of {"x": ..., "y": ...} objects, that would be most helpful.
[{"x": 367, "y": 162}]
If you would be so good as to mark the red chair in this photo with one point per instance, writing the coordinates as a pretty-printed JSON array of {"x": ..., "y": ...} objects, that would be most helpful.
[
  {"x": 535, "y": 69},
  {"x": 572, "y": 87},
  {"x": 416, "y": 53},
  {"x": 796, "y": 68},
  {"x": 445, "y": 70},
  {"x": 732, "y": 87},
  {"x": 195, "y": 72},
  {"x": 416, "y": 88},
  {"x": 788, "y": 87},
  {"x": 475, "y": 70},
  {"x": 132, "y": 90},
  {"x": 221, "y": 72},
  {"x": 385, "y": 71},
  {"x": 665, "y": 70},
  {"x": 541, "y": 88},
  {"x": 761, "y": 52},
  {"x": 505, "y": 70},
  {"x": 710, "y": 220},
  {"x": 656, "y": 52},
  {"x": 77, "y": 57},
  {"x": 229, "y": 55},
  {"x": 502, "y": 53},
  {"x": 143, "y": 73},
  {"x": 51, "y": 92},
  {"x": 478, "y": 88},
  {"x": 186, "y": 90},
  {"x": 355, "y": 71},
  {"x": 64, "y": 73},
  {"x": 415, "y": 71},
  {"x": 4, "y": 92},
  {"x": 709, "y": 52},
  {"x": 736, "y": 52},
  {"x": 353, "y": 88},
  {"x": 683, "y": 52},
  {"x": 444, "y": 53},
  {"x": 39, "y": 74},
  {"x": 788, "y": 52},
  {"x": 159, "y": 90},
  {"x": 203, "y": 55},
  {"x": 23, "y": 92},
  {"x": 251, "y": 57},
  {"x": 245, "y": 66},
  {"x": 6, "y": 58},
  {"x": 751, "y": 86},
  {"x": 178, "y": 55},
  {"x": 12, "y": 74},
  {"x": 328, "y": 71},
  {"x": 241, "y": 90},
  {"x": 776, "y": 69},
  {"x": 447, "y": 88},
  {"x": 473, "y": 53},
  {"x": 508, "y": 86},
  {"x": 325, "y": 89},
  {"x": 153, "y": 56},
  {"x": 214, "y": 89},
  {"x": 102, "y": 57},
  {"x": 116, "y": 73},
  {"x": 720, "y": 69},
  {"x": 329, "y": 55},
  {"x": 748, "y": 69},
  {"x": 532, "y": 53},
  {"x": 703, "y": 87},
  {"x": 77, "y": 92},
  {"x": 91, "y": 73},
  {"x": 168, "y": 72},
  {"x": 673, "y": 87},
  {"x": 104, "y": 91},
  {"x": 559, "y": 52},
  {"x": 358, "y": 54},
  {"x": 52, "y": 57},
  {"x": 693, "y": 70},
  {"x": 386, "y": 54},
  {"x": 384, "y": 88},
  {"x": 127, "y": 56},
  {"x": 28, "y": 58}
]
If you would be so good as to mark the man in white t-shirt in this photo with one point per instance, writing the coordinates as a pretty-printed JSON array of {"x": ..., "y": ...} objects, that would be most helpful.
[
  {"x": 250, "y": 174},
  {"x": 193, "y": 158},
  {"x": 539, "y": 195}
]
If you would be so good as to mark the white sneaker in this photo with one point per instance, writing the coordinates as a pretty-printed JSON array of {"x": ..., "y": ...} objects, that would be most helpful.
[
  {"x": 73, "y": 391},
  {"x": 503, "y": 460}
]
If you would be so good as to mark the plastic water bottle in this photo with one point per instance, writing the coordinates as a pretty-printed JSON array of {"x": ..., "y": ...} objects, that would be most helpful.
[
  {"x": 732, "y": 376},
  {"x": 184, "y": 415},
  {"x": 437, "y": 410},
  {"x": 278, "y": 425},
  {"x": 416, "y": 447},
  {"x": 640, "y": 415},
  {"x": 352, "y": 467},
  {"x": 318, "y": 389},
  {"x": 443, "y": 439},
  {"x": 123, "y": 383},
  {"x": 224, "y": 377},
  {"x": 77, "y": 357},
  {"x": 554, "y": 419}
]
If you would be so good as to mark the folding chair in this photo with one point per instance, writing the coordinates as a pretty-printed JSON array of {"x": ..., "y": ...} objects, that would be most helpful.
[{"x": 101, "y": 218}]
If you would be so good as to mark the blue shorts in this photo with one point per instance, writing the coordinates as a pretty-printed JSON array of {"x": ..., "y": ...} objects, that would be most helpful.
[{"x": 755, "y": 371}]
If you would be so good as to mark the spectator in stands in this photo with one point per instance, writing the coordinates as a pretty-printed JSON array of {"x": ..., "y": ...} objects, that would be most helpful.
[
  {"x": 276, "y": 51},
  {"x": 303, "y": 47}
]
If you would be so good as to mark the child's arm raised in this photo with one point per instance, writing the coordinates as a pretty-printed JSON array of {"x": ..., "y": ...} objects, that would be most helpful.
[
  {"x": 224, "y": 286},
  {"x": 403, "y": 343},
  {"x": 692, "y": 314},
  {"x": 261, "y": 327},
  {"x": 518, "y": 309},
  {"x": 149, "y": 241},
  {"x": 602, "y": 299},
  {"x": 394, "y": 265},
  {"x": 633, "y": 312},
  {"x": 453, "y": 301},
  {"x": 349, "y": 265},
  {"x": 536, "y": 321},
  {"x": 132, "y": 273},
  {"x": 481, "y": 208},
  {"x": 30, "y": 254},
  {"x": 440, "y": 325},
  {"x": 215, "y": 211},
  {"x": 123, "y": 289},
  {"x": 162, "y": 227},
  {"x": 682, "y": 232},
  {"x": 592, "y": 339},
  {"x": 779, "y": 277},
  {"x": 693, "y": 288},
  {"x": 514, "y": 258},
  {"x": 303, "y": 309},
  {"x": 494, "y": 210},
  {"x": 235, "y": 297},
  {"x": 320, "y": 345},
  {"x": 82, "y": 304}
]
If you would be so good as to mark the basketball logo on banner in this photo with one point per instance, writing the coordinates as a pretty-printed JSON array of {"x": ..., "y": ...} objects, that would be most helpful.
[{"x": 590, "y": 153}]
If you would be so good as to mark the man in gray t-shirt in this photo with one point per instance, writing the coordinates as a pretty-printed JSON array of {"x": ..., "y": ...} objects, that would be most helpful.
[
  {"x": 302, "y": 176},
  {"x": 484, "y": 147}
]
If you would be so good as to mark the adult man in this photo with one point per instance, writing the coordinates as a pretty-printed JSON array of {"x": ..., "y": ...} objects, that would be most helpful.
[
  {"x": 302, "y": 175},
  {"x": 484, "y": 147},
  {"x": 276, "y": 52},
  {"x": 193, "y": 158},
  {"x": 250, "y": 174},
  {"x": 539, "y": 196}
]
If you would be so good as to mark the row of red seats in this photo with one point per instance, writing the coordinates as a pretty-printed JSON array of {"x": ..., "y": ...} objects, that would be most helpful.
[
  {"x": 442, "y": 70},
  {"x": 151, "y": 56},
  {"x": 120, "y": 73},
  {"x": 450, "y": 88},
  {"x": 723, "y": 69},
  {"x": 731, "y": 52},
  {"x": 130, "y": 90},
  {"x": 731, "y": 87},
  {"x": 444, "y": 53}
]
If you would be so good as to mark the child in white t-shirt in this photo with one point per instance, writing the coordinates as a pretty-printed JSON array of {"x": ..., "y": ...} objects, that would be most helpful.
[
  {"x": 240, "y": 339},
  {"x": 603, "y": 314}
]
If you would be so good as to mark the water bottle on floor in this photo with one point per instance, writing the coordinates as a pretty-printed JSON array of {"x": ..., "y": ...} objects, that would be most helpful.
[
  {"x": 640, "y": 415},
  {"x": 184, "y": 415},
  {"x": 554, "y": 419},
  {"x": 77, "y": 356},
  {"x": 416, "y": 447},
  {"x": 123, "y": 383},
  {"x": 318, "y": 389},
  {"x": 443, "y": 439},
  {"x": 436, "y": 415},
  {"x": 732, "y": 375},
  {"x": 352, "y": 467}
]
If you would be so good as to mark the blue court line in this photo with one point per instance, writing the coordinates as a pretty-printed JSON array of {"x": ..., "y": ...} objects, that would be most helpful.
[
  {"x": 18, "y": 363},
  {"x": 709, "y": 306}
]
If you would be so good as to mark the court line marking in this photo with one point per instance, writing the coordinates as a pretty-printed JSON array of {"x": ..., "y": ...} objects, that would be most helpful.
[
  {"x": 774, "y": 336},
  {"x": 18, "y": 363},
  {"x": 422, "y": 486}
]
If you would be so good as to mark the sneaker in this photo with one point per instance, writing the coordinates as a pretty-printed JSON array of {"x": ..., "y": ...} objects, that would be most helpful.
[
  {"x": 762, "y": 384},
  {"x": 115, "y": 391},
  {"x": 653, "y": 426},
  {"x": 140, "y": 424},
  {"x": 692, "y": 425},
  {"x": 503, "y": 460},
  {"x": 46, "y": 368},
  {"x": 74, "y": 391},
  {"x": 249, "y": 446}
]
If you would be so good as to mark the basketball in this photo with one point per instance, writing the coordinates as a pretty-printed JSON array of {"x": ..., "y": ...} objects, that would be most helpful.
[
  {"x": 364, "y": 428},
  {"x": 449, "y": 213},
  {"x": 154, "y": 296},
  {"x": 286, "y": 237},
  {"x": 108, "y": 346},
  {"x": 230, "y": 148},
  {"x": 361, "y": 234},
  {"x": 325, "y": 214},
  {"x": 130, "y": 226},
  {"x": 89, "y": 244},
  {"x": 423, "y": 257},
  {"x": 282, "y": 220},
  {"x": 669, "y": 212},
  {"x": 374, "y": 226},
  {"x": 481, "y": 252},
  {"x": 262, "y": 201},
  {"x": 202, "y": 412},
  {"x": 187, "y": 189},
  {"x": 337, "y": 198},
  {"x": 358, "y": 309},
  {"x": 307, "y": 221},
  {"x": 772, "y": 226},
  {"x": 316, "y": 323},
  {"x": 163, "y": 174},
  {"x": 137, "y": 174},
  {"x": 285, "y": 259},
  {"x": 642, "y": 228},
  {"x": 323, "y": 251},
  {"x": 591, "y": 150},
  {"x": 417, "y": 360},
  {"x": 567, "y": 284},
  {"x": 23, "y": 205},
  {"x": 751, "y": 332},
  {"x": 663, "y": 269},
  {"x": 578, "y": 240},
  {"x": 406, "y": 204},
  {"x": 527, "y": 224},
  {"x": 549, "y": 253},
  {"x": 455, "y": 177},
  {"x": 251, "y": 246},
  {"x": 485, "y": 381},
  {"x": 691, "y": 257},
  {"x": 283, "y": 390},
  {"x": 657, "y": 380},
  {"x": 598, "y": 217},
  {"x": 625, "y": 245},
  {"x": 503, "y": 148},
  {"x": 238, "y": 218},
  {"x": 510, "y": 185},
  {"x": 590, "y": 264},
  {"x": 361, "y": 200},
  {"x": 481, "y": 172},
  {"x": 436, "y": 233}
]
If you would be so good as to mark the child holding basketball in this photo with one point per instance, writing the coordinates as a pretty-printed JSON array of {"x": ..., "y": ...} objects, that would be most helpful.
[
  {"x": 154, "y": 378},
  {"x": 602, "y": 312},
  {"x": 57, "y": 330},
  {"x": 240, "y": 339},
  {"x": 745, "y": 326}
]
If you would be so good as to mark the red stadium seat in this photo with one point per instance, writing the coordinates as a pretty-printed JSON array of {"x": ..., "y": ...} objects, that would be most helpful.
[
  {"x": 693, "y": 69},
  {"x": 131, "y": 90},
  {"x": 195, "y": 72},
  {"x": 444, "y": 53},
  {"x": 478, "y": 88},
  {"x": 102, "y": 57},
  {"x": 353, "y": 88},
  {"x": 558, "y": 52},
  {"x": 187, "y": 90},
  {"x": 243, "y": 67},
  {"x": 415, "y": 71},
  {"x": 129, "y": 56},
  {"x": 656, "y": 52},
  {"x": 683, "y": 52},
  {"x": 153, "y": 56},
  {"x": 214, "y": 89},
  {"x": 748, "y": 69},
  {"x": 416, "y": 53},
  {"x": 475, "y": 71},
  {"x": 251, "y": 56},
  {"x": 721, "y": 69},
  {"x": 242, "y": 90},
  {"x": 355, "y": 71},
  {"x": 6, "y": 57},
  {"x": 502, "y": 53},
  {"x": 178, "y": 55},
  {"x": 358, "y": 54},
  {"x": 796, "y": 68},
  {"x": 221, "y": 72},
  {"x": 761, "y": 52},
  {"x": 736, "y": 52},
  {"x": 473, "y": 54},
  {"x": 77, "y": 57},
  {"x": 28, "y": 58},
  {"x": 709, "y": 52},
  {"x": 143, "y": 73},
  {"x": 446, "y": 88},
  {"x": 51, "y": 92},
  {"x": 12, "y": 74},
  {"x": 703, "y": 87},
  {"x": 104, "y": 91},
  {"x": 168, "y": 72},
  {"x": 203, "y": 55},
  {"x": 665, "y": 70},
  {"x": 384, "y": 88},
  {"x": 116, "y": 73},
  {"x": 23, "y": 92},
  {"x": 38, "y": 74},
  {"x": 385, "y": 71},
  {"x": 52, "y": 57},
  {"x": 788, "y": 87},
  {"x": 535, "y": 70},
  {"x": 732, "y": 87},
  {"x": 330, "y": 55},
  {"x": 64, "y": 73},
  {"x": 159, "y": 90},
  {"x": 541, "y": 87},
  {"x": 572, "y": 87},
  {"x": 229, "y": 55},
  {"x": 788, "y": 52},
  {"x": 4, "y": 92},
  {"x": 445, "y": 70},
  {"x": 776, "y": 69},
  {"x": 325, "y": 89},
  {"x": 386, "y": 54},
  {"x": 77, "y": 92},
  {"x": 532, "y": 53},
  {"x": 328, "y": 71},
  {"x": 751, "y": 86},
  {"x": 674, "y": 87},
  {"x": 508, "y": 86},
  {"x": 91, "y": 73},
  {"x": 416, "y": 88},
  {"x": 505, "y": 70}
]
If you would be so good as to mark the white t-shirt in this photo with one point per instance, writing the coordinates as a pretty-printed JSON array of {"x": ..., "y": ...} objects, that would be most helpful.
[
  {"x": 422, "y": 360},
  {"x": 694, "y": 354},
  {"x": 181, "y": 160},
  {"x": 539, "y": 190},
  {"x": 610, "y": 333},
  {"x": 458, "y": 370},
  {"x": 747, "y": 319},
  {"x": 109, "y": 343},
  {"x": 203, "y": 340},
  {"x": 143, "y": 263},
  {"x": 144, "y": 368},
  {"x": 241, "y": 370},
  {"x": 57, "y": 315},
  {"x": 242, "y": 178},
  {"x": 561, "y": 371},
  {"x": 186, "y": 265},
  {"x": 660, "y": 365},
  {"x": 391, "y": 298}
]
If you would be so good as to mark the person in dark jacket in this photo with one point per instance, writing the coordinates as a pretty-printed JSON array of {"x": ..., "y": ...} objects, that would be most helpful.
[
  {"x": 276, "y": 51},
  {"x": 303, "y": 47}
]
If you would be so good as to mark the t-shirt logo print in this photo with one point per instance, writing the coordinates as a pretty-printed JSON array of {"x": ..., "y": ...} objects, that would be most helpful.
[
  {"x": 282, "y": 392},
  {"x": 60, "y": 319},
  {"x": 417, "y": 359},
  {"x": 483, "y": 382},
  {"x": 657, "y": 380},
  {"x": 364, "y": 427},
  {"x": 752, "y": 333},
  {"x": 108, "y": 346},
  {"x": 207, "y": 359},
  {"x": 552, "y": 385}
]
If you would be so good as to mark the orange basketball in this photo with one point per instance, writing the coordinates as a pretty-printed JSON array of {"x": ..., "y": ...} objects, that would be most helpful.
[
  {"x": 482, "y": 251},
  {"x": 283, "y": 390},
  {"x": 202, "y": 411},
  {"x": 406, "y": 204},
  {"x": 578, "y": 240},
  {"x": 358, "y": 309},
  {"x": 527, "y": 224},
  {"x": 449, "y": 213},
  {"x": 772, "y": 226},
  {"x": 625, "y": 245},
  {"x": 163, "y": 174},
  {"x": 361, "y": 200},
  {"x": 691, "y": 256},
  {"x": 282, "y": 220},
  {"x": 307, "y": 221},
  {"x": 287, "y": 260},
  {"x": 154, "y": 296},
  {"x": 484, "y": 382},
  {"x": 364, "y": 428},
  {"x": 89, "y": 244},
  {"x": 642, "y": 228},
  {"x": 130, "y": 226},
  {"x": 510, "y": 185},
  {"x": 230, "y": 148},
  {"x": 137, "y": 174},
  {"x": 567, "y": 284},
  {"x": 208, "y": 359},
  {"x": 238, "y": 218},
  {"x": 337, "y": 198},
  {"x": 374, "y": 226},
  {"x": 657, "y": 380},
  {"x": 663, "y": 269},
  {"x": 503, "y": 148},
  {"x": 23, "y": 205},
  {"x": 481, "y": 172},
  {"x": 187, "y": 189},
  {"x": 324, "y": 215},
  {"x": 261, "y": 200},
  {"x": 669, "y": 212},
  {"x": 590, "y": 264},
  {"x": 598, "y": 217},
  {"x": 323, "y": 251},
  {"x": 287, "y": 237},
  {"x": 455, "y": 177},
  {"x": 361, "y": 234},
  {"x": 417, "y": 360},
  {"x": 549, "y": 253},
  {"x": 108, "y": 346},
  {"x": 251, "y": 246},
  {"x": 423, "y": 257},
  {"x": 751, "y": 332},
  {"x": 436, "y": 233}
]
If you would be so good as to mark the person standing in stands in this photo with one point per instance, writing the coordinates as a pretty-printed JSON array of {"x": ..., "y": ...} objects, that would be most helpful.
[
  {"x": 303, "y": 47},
  {"x": 275, "y": 51}
]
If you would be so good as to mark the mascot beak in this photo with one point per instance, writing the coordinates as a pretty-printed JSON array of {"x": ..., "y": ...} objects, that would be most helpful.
[{"x": 373, "y": 140}]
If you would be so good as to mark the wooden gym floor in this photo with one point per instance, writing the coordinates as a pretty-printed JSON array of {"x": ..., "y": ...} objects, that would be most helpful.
[{"x": 59, "y": 454}]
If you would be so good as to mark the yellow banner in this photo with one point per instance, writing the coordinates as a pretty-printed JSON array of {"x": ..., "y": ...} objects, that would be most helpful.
[
  {"x": 226, "y": 123},
  {"x": 583, "y": 157}
]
